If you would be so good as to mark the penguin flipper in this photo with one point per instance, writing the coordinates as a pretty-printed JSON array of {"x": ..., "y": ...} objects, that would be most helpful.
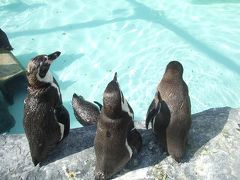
[
  {"x": 99, "y": 105},
  {"x": 165, "y": 112},
  {"x": 151, "y": 113},
  {"x": 134, "y": 138},
  {"x": 62, "y": 116}
]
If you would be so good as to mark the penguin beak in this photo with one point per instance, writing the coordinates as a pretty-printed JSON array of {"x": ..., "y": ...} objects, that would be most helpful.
[
  {"x": 115, "y": 77},
  {"x": 53, "y": 56}
]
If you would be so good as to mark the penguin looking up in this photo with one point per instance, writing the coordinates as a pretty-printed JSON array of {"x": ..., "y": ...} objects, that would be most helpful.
[
  {"x": 46, "y": 120},
  {"x": 116, "y": 138}
]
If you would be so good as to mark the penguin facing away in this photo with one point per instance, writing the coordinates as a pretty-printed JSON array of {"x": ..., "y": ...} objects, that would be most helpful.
[
  {"x": 46, "y": 120},
  {"x": 116, "y": 138},
  {"x": 85, "y": 112},
  {"x": 174, "y": 93}
]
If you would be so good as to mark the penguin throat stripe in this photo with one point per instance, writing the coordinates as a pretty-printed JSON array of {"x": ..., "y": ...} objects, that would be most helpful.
[
  {"x": 48, "y": 79},
  {"x": 125, "y": 108}
]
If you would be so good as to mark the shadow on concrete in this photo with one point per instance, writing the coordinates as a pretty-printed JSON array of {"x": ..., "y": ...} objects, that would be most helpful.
[
  {"x": 205, "y": 126},
  {"x": 78, "y": 140}
]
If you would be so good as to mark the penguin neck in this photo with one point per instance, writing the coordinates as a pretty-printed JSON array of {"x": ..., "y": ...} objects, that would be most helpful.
[
  {"x": 34, "y": 84},
  {"x": 112, "y": 112},
  {"x": 48, "y": 78},
  {"x": 38, "y": 83}
]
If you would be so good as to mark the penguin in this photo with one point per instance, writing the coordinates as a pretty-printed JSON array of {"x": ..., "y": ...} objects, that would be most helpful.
[
  {"x": 4, "y": 42},
  {"x": 117, "y": 139},
  {"x": 46, "y": 120},
  {"x": 159, "y": 116},
  {"x": 85, "y": 112},
  {"x": 174, "y": 93}
]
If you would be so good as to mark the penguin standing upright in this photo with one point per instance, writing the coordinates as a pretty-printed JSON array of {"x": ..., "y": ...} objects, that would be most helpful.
[
  {"x": 171, "y": 113},
  {"x": 46, "y": 120},
  {"x": 116, "y": 138}
]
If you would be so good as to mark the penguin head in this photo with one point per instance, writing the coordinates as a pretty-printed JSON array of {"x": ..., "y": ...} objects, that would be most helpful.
[
  {"x": 174, "y": 69},
  {"x": 38, "y": 69},
  {"x": 112, "y": 99},
  {"x": 76, "y": 100},
  {"x": 114, "y": 102}
]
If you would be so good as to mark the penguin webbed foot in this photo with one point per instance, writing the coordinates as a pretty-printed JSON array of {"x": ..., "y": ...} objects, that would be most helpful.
[
  {"x": 100, "y": 176},
  {"x": 177, "y": 159}
]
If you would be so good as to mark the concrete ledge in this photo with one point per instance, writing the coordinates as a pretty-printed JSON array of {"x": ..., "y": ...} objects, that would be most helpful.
[{"x": 212, "y": 153}]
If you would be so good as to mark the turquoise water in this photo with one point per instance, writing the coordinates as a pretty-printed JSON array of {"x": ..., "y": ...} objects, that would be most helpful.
[{"x": 135, "y": 38}]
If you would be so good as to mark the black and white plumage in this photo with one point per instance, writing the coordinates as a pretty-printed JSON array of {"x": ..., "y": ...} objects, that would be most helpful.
[
  {"x": 170, "y": 111},
  {"x": 159, "y": 116},
  {"x": 116, "y": 138},
  {"x": 46, "y": 120}
]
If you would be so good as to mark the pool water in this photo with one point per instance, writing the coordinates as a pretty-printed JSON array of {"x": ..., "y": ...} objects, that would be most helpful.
[{"x": 137, "y": 39}]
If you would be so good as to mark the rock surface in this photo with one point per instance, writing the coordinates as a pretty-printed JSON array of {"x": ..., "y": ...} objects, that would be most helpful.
[{"x": 212, "y": 153}]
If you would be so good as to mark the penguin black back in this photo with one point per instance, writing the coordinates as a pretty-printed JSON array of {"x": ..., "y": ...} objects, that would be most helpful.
[
  {"x": 174, "y": 92},
  {"x": 116, "y": 137}
]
